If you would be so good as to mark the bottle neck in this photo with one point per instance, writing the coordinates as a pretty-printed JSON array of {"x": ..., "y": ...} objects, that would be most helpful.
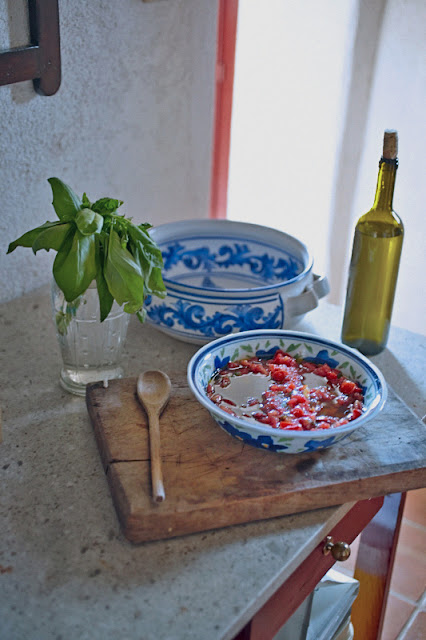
[{"x": 385, "y": 184}]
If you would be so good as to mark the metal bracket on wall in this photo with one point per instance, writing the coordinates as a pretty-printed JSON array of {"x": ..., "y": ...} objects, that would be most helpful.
[{"x": 40, "y": 61}]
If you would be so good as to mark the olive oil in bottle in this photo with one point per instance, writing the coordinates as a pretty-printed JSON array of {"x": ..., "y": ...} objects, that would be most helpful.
[{"x": 374, "y": 263}]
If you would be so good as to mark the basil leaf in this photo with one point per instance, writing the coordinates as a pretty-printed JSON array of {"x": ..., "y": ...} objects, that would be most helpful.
[
  {"x": 144, "y": 264},
  {"x": 146, "y": 244},
  {"x": 65, "y": 202},
  {"x": 154, "y": 283},
  {"x": 88, "y": 222},
  {"x": 106, "y": 205},
  {"x": 51, "y": 237},
  {"x": 123, "y": 274},
  {"x": 106, "y": 300},
  {"x": 85, "y": 202},
  {"x": 28, "y": 239},
  {"x": 74, "y": 267},
  {"x": 152, "y": 275},
  {"x": 141, "y": 315},
  {"x": 132, "y": 307}
]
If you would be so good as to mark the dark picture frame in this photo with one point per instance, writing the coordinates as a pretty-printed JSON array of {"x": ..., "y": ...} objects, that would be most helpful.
[{"x": 40, "y": 61}]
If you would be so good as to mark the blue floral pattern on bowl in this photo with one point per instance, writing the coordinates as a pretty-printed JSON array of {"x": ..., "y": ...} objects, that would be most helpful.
[
  {"x": 262, "y": 442},
  {"x": 196, "y": 320},
  {"x": 255, "y": 259},
  {"x": 267, "y": 442},
  {"x": 217, "y": 354}
]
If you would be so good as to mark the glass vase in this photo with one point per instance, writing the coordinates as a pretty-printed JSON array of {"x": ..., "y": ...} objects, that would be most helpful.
[{"x": 91, "y": 350}]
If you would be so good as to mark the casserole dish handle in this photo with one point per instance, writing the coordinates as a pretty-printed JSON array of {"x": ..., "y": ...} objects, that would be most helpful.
[{"x": 308, "y": 299}]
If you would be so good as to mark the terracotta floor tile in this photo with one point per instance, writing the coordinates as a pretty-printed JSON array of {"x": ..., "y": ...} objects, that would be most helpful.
[
  {"x": 417, "y": 629},
  {"x": 397, "y": 613},
  {"x": 415, "y": 506},
  {"x": 413, "y": 537},
  {"x": 409, "y": 574}
]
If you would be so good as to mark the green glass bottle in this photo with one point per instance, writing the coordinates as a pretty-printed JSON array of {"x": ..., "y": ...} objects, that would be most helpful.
[{"x": 374, "y": 265}]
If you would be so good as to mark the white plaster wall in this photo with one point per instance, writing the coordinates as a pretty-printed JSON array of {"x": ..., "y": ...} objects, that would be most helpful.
[
  {"x": 291, "y": 82},
  {"x": 133, "y": 119}
]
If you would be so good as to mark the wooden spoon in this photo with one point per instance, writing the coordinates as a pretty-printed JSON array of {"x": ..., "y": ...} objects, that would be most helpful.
[{"x": 153, "y": 388}]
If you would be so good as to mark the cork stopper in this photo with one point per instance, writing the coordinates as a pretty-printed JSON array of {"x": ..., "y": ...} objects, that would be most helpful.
[{"x": 390, "y": 144}]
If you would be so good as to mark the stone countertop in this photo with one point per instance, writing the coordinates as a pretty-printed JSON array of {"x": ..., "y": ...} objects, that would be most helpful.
[{"x": 66, "y": 571}]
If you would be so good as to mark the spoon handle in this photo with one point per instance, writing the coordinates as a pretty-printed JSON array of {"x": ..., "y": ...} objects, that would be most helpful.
[{"x": 158, "y": 492}]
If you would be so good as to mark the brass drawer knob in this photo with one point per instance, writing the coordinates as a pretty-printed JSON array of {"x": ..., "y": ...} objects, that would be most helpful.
[{"x": 339, "y": 550}]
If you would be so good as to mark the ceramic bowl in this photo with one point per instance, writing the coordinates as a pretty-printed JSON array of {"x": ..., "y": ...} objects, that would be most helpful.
[
  {"x": 224, "y": 277},
  {"x": 218, "y": 353}
]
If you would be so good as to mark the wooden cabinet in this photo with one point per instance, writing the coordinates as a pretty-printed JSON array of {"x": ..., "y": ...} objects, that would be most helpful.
[{"x": 278, "y": 609}]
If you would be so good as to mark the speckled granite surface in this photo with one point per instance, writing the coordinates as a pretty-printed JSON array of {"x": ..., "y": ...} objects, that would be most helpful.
[{"x": 66, "y": 571}]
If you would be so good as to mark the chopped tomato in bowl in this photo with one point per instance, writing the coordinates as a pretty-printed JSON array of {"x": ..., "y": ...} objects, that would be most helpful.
[{"x": 286, "y": 391}]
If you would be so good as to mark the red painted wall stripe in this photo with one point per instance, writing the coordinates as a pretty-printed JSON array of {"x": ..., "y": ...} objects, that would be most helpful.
[{"x": 225, "y": 62}]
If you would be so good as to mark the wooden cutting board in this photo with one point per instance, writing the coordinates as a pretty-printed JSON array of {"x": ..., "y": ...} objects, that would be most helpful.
[{"x": 213, "y": 480}]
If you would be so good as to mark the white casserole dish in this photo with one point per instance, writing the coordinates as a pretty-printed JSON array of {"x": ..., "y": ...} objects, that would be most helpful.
[{"x": 225, "y": 277}]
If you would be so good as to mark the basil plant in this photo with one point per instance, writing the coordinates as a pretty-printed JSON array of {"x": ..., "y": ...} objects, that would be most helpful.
[{"x": 94, "y": 242}]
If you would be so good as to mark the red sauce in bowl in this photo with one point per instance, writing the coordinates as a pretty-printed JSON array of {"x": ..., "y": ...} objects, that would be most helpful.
[{"x": 286, "y": 393}]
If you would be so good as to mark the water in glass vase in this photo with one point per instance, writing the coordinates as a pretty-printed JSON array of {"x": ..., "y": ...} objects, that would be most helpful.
[{"x": 91, "y": 350}]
